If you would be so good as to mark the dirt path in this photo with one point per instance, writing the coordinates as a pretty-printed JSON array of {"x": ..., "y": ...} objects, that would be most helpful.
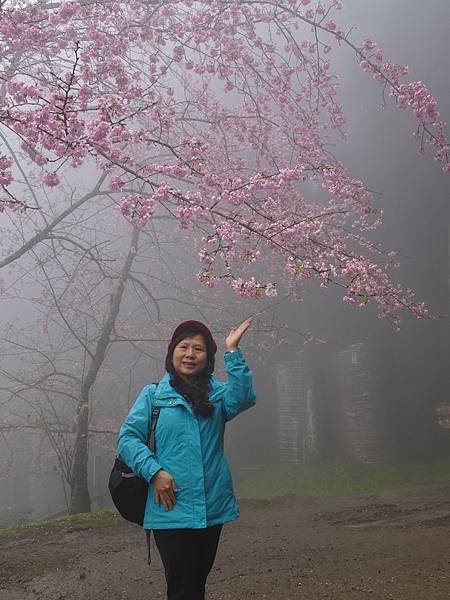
[{"x": 390, "y": 546}]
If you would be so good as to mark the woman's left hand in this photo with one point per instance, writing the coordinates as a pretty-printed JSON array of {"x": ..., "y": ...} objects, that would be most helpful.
[{"x": 234, "y": 337}]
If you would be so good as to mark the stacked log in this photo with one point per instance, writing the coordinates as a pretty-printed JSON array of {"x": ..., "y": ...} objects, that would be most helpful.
[
  {"x": 443, "y": 415},
  {"x": 296, "y": 411},
  {"x": 359, "y": 436}
]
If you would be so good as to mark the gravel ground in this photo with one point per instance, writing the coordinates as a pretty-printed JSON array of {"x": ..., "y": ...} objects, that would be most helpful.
[{"x": 389, "y": 546}]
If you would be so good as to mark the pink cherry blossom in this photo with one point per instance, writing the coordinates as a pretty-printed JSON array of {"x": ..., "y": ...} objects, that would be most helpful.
[
  {"x": 50, "y": 179},
  {"x": 216, "y": 115}
]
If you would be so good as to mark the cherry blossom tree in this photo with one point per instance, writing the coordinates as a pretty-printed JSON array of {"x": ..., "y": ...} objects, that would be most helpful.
[{"x": 220, "y": 114}]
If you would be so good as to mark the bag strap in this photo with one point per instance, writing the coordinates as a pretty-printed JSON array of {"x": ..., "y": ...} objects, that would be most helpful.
[
  {"x": 151, "y": 443},
  {"x": 153, "y": 419},
  {"x": 148, "y": 535}
]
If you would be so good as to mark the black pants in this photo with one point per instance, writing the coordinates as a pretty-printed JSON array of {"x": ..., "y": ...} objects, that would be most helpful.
[{"x": 188, "y": 556}]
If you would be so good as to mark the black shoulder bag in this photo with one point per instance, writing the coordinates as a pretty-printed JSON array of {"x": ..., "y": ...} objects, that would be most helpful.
[{"x": 128, "y": 490}]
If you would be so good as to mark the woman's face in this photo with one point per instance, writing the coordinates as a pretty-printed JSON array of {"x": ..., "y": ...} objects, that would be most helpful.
[{"x": 190, "y": 357}]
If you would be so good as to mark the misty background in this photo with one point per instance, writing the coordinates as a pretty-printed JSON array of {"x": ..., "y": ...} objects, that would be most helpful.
[{"x": 360, "y": 393}]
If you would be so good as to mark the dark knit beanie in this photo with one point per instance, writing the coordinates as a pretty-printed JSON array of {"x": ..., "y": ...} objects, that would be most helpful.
[{"x": 192, "y": 327}]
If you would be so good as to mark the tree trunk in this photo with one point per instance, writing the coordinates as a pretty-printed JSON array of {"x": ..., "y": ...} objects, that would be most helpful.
[{"x": 80, "y": 500}]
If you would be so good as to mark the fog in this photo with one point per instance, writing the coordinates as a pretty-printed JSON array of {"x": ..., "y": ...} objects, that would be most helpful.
[{"x": 334, "y": 383}]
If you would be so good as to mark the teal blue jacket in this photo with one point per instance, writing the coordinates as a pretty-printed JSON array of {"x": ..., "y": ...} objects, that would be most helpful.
[{"x": 189, "y": 447}]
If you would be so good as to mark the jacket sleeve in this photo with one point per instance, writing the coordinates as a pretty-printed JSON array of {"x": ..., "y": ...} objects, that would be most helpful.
[
  {"x": 132, "y": 444},
  {"x": 239, "y": 393}
]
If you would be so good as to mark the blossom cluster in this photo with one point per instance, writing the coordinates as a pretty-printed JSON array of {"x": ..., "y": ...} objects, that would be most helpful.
[
  {"x": 138, "y": 208},
  {"x": 5, "y": 170},
  {"x": 216, "y": 114},
  {"x": 414, "y": 96}
]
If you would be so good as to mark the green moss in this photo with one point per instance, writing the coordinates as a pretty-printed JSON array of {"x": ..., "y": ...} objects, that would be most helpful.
[
  {"x": 337, "y": 480},
  {"x": 100, "y": 519},
  {"x": 318, "y": 481}
]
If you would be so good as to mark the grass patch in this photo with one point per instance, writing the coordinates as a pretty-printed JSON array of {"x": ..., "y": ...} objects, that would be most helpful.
[
  {"x": 100, "y": 519},
  {"x": 336, "y": 480}
]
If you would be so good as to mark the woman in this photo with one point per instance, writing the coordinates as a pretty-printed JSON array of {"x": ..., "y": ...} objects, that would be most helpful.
[{"x": 189, "y": 475}]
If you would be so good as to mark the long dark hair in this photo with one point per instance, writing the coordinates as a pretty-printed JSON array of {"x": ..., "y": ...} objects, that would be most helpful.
[{"x": 195, "y": 391}]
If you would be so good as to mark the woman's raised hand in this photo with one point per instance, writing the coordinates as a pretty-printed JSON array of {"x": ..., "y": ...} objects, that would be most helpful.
[{"x": 234, "y": 337}]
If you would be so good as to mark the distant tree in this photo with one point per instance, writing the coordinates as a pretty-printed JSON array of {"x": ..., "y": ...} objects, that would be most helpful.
[
  {"x": 85, "y": 314},
  {"x": 91, "y": 284},
  {"x": 218, "y": 113}
]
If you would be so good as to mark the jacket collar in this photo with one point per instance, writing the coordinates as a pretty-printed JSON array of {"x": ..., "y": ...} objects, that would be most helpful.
[{"x": 165, "y": 391}]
